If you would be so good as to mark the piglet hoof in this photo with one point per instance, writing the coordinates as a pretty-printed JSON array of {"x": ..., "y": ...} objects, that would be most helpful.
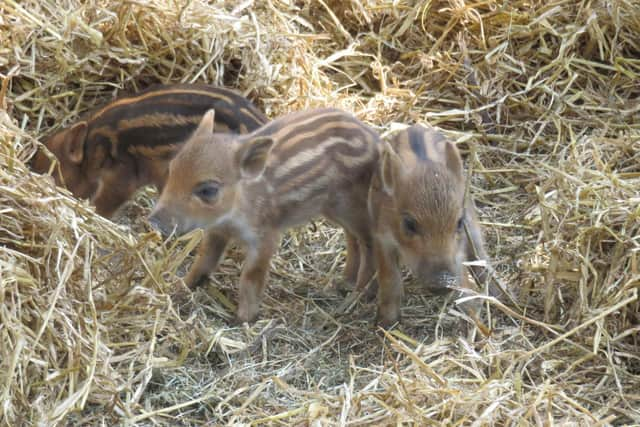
[
  {"x": 236, "y": 321},
  {"x": 193, "y": 281},
  {"x": 348, "y": 302},
  {"x": 387, "y": 322},
  {"x": 181, "y": 296},
  {"x": 239, "y": 320},
  {"x": 342, "y": 286}
]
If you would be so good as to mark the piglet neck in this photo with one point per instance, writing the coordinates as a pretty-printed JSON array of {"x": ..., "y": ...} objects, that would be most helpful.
[{"x": 240, "y": 222}]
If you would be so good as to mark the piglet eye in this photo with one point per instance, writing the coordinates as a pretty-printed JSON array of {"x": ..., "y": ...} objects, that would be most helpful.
[
  {"x": 410, "y": 225},
  {"x": 206, "y": 191}
]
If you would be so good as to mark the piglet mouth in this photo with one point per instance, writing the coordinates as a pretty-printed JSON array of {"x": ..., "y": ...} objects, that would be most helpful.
[
  {"x": 163, "y": 223},
  {"x": 171, "y": 226},
  {"x": 163, "y": 228},
  {"x": 440, "y": 284},
  {"x": 438, "y": 290}
]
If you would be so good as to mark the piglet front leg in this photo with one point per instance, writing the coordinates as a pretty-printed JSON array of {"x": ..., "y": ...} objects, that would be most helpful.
[
  {"x": 253, "y": 277},
  {"x": 390, "y": 285},
  {"x": 209, "y": 255}
]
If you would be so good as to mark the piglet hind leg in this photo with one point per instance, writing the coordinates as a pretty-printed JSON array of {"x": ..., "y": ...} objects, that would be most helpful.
[
  {"x": 209, "y": 255},
  {"x": 365, "y": 268},
  {"x": 367, "y": 271},
  {"x": 475, "y": 250},
  {"x": 352, "y": 264},
  {"x": 474, "y": 244},
  {"x": 253, "y": 278},
  {"x": 390, "y": 286}
]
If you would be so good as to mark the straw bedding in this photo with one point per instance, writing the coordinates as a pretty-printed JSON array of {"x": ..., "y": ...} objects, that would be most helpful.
[{"x": 542, "y": 98}]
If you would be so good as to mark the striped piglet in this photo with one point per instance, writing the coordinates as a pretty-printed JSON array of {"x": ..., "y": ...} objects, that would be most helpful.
[
  {"x": 422, "y": 217},
  {"x": 116, "y": 149},
  {"x": 252, "y": 188}
]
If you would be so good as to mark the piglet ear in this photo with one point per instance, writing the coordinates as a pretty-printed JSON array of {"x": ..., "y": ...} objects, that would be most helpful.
[
  {"x": 74, "y": 142},
  {"x": 251, "y": 157},
  {"x": 390, "y": 167},
  {"x": 452, "y": 157},
  {"x": 206, "y": 124}
]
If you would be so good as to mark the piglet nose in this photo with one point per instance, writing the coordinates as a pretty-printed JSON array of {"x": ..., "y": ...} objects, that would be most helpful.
[
  {"x": 441, "y": 283},
  {"x": 447, "y": 279},
  {"x": 154, "y": 220}
]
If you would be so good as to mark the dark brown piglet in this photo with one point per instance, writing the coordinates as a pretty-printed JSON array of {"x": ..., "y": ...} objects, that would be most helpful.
[{"x": 116, "y": 149}]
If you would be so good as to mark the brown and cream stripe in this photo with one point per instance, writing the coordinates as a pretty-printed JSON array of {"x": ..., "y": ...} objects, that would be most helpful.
[
  {"x": 313, "y": 149},
  {"x": 157, "y": 121}
]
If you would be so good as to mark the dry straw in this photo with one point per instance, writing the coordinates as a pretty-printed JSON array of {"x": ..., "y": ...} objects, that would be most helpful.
[{"x": 542, "y": 96}]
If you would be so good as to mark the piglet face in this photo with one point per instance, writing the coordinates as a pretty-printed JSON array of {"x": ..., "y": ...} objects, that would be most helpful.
[
  {"x": 426, "y": 216},
  {"x": 200, "y": 187},
  {"x": 73, "y": 170}
]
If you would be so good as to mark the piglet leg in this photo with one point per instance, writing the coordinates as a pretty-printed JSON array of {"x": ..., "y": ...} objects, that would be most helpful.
[
  {"x": 209, "y": 255},
  {"x": 362, "y": 247},
  {"x": 390, "y": 285},
  {"x": 352, "y": 263},
  {"x": 253, "y": 278}
]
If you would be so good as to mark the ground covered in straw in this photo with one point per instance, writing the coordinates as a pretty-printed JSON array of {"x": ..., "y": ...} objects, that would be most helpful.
[{"x": 541, "y": 96}]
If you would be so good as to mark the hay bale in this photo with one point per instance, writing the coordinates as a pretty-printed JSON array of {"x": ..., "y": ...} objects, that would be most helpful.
[
  {"x": 541, "y": 97},
  {"x": 84, "y": 319}
]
